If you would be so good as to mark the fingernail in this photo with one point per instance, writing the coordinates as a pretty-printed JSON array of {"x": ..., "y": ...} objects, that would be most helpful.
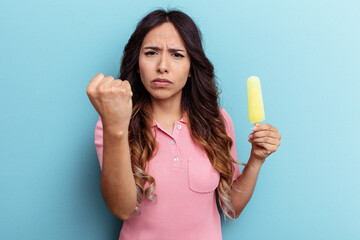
[
  {"x": 251, "y": 136},
  {"x": 254, "y": 128}
]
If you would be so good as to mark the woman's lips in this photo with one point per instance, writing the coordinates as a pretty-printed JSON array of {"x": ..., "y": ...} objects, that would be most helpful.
[{"x": 160, "y": 82}]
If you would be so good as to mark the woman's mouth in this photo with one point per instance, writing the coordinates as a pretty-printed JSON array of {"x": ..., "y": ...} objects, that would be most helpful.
[{"x": 161, "y": 82}]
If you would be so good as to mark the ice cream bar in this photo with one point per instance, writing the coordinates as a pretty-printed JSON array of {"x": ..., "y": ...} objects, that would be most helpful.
[{"x": 255, "y": 101}]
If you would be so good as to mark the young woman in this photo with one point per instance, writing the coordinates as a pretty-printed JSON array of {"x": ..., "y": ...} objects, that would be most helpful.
[{"x": 166, "y": 149}]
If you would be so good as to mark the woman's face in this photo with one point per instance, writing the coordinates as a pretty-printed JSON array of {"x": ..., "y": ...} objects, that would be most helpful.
[{"x": 164, "y": 63}]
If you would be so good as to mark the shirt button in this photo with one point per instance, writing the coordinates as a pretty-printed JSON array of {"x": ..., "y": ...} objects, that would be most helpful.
[
  {"x": 179, "y": 127},
  {"x": 176, "y": 159},
  {"x": 173, "y": 141}
]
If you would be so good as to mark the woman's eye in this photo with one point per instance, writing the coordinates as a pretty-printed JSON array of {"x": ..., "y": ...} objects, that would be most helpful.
[
  {"x": 150, "y": 53},
  {"x": 178, "y": 55}
]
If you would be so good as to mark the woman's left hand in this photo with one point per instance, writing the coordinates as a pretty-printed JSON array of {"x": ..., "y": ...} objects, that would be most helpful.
[{"x": 265, "y": 140}]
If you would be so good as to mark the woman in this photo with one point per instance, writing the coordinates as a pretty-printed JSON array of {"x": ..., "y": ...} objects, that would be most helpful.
[{"x": 166, "y": 149}]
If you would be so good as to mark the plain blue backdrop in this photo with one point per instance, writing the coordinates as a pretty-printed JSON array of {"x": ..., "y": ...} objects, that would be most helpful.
[{"x": 306, "y": 53}]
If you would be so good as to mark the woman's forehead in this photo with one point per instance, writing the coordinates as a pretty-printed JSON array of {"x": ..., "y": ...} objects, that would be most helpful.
[{"x": 164, "y": 35}]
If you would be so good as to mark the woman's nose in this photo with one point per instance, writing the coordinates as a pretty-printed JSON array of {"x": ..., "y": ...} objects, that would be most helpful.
[{"x": 163, "y": 64}]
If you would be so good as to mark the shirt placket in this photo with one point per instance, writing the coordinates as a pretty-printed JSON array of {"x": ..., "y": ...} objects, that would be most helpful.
[{"x": 176, "y": 158}]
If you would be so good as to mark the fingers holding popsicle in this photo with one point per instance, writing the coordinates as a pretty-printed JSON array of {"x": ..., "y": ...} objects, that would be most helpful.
[
  {"x": 265, "y": 140},
  {"x": 265, "y": 133}
]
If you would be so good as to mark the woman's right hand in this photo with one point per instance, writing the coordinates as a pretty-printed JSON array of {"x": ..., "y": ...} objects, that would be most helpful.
[{"x": 112, "y": 100}]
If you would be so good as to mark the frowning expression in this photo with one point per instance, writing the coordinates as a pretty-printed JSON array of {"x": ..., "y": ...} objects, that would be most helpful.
[{"x": 164, "y": 63}]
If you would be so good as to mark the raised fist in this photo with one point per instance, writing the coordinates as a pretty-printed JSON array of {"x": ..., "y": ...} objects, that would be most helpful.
[{"x": 112, "y": 100}]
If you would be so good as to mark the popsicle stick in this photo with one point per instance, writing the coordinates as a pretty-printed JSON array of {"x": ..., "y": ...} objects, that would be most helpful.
[{"x": 257, "y": 123}]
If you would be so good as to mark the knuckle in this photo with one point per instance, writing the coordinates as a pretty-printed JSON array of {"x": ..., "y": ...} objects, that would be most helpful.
[
  {"x": 103, "y": 90},
  {"x": 114, "y": 89},
  {"x": 101, "y": 75},
  {"x": 127, "y": 83},
  {"x": 122, "y": 90},
  {"x": 110, "y": 77},
  {"x": 116, "y": 83},
  {"x": 90, "y": 91}
]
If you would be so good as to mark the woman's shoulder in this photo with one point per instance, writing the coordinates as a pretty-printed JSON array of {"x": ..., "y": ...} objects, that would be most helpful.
[
  {"x": 227, "y": 120},
  {"x": 225, "y": 115}
]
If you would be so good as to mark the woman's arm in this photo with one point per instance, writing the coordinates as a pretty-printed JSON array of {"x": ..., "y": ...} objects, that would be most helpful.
[
  {"x": 243, "y": 186},
  {"x": 112, "y": 100},
  {"x": 265, "y": 140}
]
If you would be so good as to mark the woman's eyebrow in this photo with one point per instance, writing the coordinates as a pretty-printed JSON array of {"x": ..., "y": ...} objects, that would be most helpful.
[{"x": 170, "y": 49}]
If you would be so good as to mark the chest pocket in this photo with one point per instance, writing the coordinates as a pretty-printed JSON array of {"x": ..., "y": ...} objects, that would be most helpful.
[{"x": 203, "y": 178}]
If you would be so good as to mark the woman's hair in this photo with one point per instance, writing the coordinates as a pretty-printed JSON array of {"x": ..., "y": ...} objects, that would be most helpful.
[{"x": 199, "y": 101}]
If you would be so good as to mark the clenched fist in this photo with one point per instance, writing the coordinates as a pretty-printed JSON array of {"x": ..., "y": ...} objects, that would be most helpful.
[{"x": 112, "y": 100}]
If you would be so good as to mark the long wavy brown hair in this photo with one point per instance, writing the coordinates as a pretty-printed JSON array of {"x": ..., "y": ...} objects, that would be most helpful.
[{"x": 199, "y": 101}]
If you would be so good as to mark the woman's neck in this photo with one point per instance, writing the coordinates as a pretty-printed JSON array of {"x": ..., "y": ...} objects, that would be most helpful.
[{"x": 166, "y": 112}]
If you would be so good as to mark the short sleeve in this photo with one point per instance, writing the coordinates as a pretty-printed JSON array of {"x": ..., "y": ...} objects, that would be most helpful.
[
  {"x": 231, "y": 133},
  {"x": 98, "y": 136}
]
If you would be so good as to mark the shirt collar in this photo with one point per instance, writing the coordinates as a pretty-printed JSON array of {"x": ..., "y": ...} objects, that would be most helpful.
[{"x": 184, "y": 119}]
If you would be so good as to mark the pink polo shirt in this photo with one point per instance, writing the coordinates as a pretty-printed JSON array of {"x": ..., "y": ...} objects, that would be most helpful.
[{"x": 185, "y": 187}]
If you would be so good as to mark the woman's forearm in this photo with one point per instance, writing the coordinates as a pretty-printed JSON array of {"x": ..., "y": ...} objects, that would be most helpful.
[
  {"x": 243, "y": 186},
  {"x": 117, "y": 181}
]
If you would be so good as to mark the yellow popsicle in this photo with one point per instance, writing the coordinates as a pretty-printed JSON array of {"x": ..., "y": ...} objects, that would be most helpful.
[{"x": 255, "y": 101}]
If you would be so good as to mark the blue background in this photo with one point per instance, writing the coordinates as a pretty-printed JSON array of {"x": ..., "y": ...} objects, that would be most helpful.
[{"x": 306, "y": 53}]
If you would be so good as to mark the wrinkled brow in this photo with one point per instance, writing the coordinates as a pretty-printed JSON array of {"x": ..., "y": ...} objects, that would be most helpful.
[{"x": 170, "y": 49}]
